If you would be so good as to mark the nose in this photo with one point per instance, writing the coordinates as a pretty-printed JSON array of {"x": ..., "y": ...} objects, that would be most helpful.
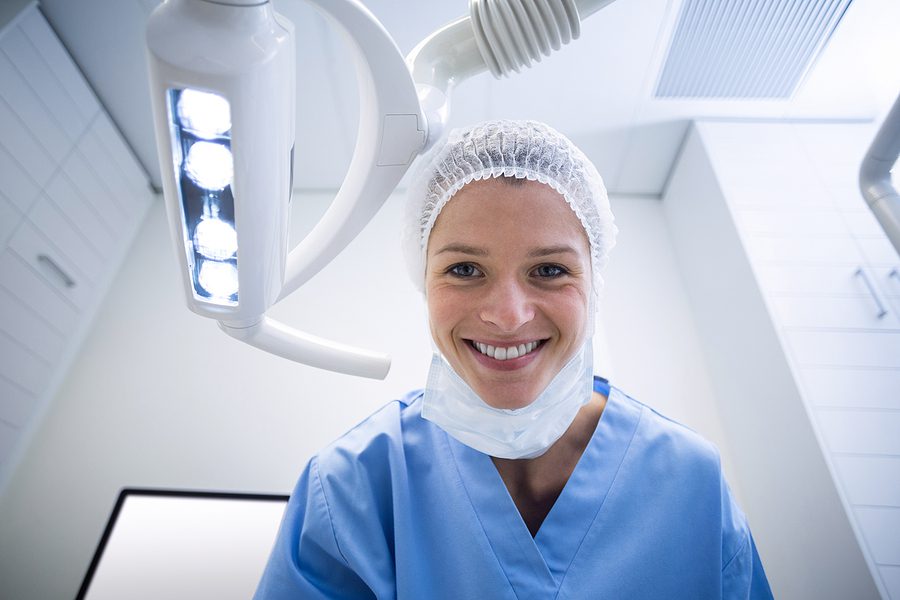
[{"x": 507, "y": 305}]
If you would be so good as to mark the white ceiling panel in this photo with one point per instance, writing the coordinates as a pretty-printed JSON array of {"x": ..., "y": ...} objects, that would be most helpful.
[{"x": 599, "y": 90}]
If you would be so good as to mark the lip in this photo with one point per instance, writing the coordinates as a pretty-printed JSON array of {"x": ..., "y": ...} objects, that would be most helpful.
[{"x": 512, "y": 364}]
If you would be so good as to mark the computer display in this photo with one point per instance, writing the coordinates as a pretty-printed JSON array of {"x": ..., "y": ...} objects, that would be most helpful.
[{"x": 183, "y": 545}]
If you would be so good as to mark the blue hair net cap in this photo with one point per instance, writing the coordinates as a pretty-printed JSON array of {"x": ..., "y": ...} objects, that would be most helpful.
[{"x": 521, "y": 149}]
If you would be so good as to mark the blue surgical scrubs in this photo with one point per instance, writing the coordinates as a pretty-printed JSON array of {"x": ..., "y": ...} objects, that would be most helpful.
[{"x": 396, "y": 508}]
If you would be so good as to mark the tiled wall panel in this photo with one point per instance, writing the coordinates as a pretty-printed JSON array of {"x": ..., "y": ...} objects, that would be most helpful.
[
  {"x": 18, "y": 187},
  {"x": 71, "y": 197},
  {"x": 25, "y": 57},
  {"x": 82, "y": 214},
  {"x": 831, "y": 280},
  {"x": 39, "y": 33},
  {"x": 20, "y": 280}
]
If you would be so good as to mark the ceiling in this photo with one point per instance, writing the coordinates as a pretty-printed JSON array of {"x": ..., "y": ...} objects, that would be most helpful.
[{"x": 599, "y": 90}]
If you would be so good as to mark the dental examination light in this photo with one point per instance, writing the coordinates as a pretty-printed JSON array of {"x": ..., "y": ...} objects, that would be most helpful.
[{"x": 222, "y": 75}]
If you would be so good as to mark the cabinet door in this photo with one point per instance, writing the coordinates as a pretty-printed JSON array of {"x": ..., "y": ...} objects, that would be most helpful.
[
  {"x": 861, "y": 432},
  {"x": 888, "y": 279},
  {"x": 854, "y": 349},
  {"x": 870, "y": 480},
  {"x": 39, "y": 33},
  {"x": 15, "y": 182},
  {"x": 18, "y": 403},
  {"x": 861, "y": 312},
  {"x": 20, "y": 322},
  {"x": 852, "y": 388},
  {"x": 59, "y": 272},
  {"x": 31, "y": 111},
  {"x": 84, "y": 215},
  {"x": 25, "y": 57},
  {"x": 24, "y": 149},
  {"x": 19, "y": 279},
  {"x": 10, "y": 217},
  {"x": 835, "y": 250},
  {"x": 820, "y": 280},
  {"x": 879, "y": 251},
  {"x": 23, "y": 367},
  {"x": 881, "y": 528},
  {"x": 56, "y": 227}
]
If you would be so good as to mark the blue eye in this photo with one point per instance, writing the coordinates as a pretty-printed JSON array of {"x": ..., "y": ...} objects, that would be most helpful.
[
  {"x": 550, "y": 271},
  {"x": 464, "y": 270}
]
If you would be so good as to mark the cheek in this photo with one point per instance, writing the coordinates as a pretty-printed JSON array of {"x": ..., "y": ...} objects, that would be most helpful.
[
  {"x": 443, "y": 310},
  {"x": 572, "y": 312}
]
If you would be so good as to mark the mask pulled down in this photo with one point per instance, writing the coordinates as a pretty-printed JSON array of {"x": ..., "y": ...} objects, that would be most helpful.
[{"x": 527, "y": 432}]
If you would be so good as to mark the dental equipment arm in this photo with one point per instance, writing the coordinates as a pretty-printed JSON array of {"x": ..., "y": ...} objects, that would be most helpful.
[
  {"x": 228, "y": 195},
  {"x": 875, "y": 175},
  {"x": 498, "y": 35}
]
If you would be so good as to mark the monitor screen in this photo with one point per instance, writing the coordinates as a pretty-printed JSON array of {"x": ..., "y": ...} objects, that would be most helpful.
[{"x": 190, "y": 545}]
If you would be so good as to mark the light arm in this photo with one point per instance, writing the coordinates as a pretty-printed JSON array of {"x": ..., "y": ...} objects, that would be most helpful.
[
  {"x": 875, "y": 175},
  {"x": 498, "y": 36}
]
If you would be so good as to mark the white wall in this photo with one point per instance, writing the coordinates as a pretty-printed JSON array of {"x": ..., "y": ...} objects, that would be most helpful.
[
  {"x": 655, "y": 354},
  {"x": 161, "y": 398}
]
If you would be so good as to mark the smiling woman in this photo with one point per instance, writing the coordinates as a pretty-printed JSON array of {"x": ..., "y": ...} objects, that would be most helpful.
[
  {"x": 495, "y": 287},
  {"x": 516, "y": 473}
]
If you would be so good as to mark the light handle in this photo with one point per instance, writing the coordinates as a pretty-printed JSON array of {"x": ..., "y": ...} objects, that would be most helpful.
[{"x": 284, "y": 341}]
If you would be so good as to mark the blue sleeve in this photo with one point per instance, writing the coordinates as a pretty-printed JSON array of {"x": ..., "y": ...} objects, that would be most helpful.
[
  {"x": 306, "y": 562},
  {"x": 743, "y": 576}
]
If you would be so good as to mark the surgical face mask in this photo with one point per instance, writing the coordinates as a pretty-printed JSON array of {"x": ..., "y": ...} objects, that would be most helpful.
[{"x": 527, "y": 432}]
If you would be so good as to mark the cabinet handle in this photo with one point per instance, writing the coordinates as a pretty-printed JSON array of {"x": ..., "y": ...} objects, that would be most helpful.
[
  {"x": 895, "y": 274},
  {"x": 881, "y": 310},
  {"x": 56, "y": 270}
]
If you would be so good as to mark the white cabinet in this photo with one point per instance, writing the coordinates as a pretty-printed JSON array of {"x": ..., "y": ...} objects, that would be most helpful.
[
  {"x": 795, "y": 284},
  {"x": 71, "y": 198}
]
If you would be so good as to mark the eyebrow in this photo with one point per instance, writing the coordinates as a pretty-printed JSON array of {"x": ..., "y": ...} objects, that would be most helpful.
[
  {"x": 535, "y": 253},
  {"x": 550, "y": 250},
  {"x": 463, "y": 249}
]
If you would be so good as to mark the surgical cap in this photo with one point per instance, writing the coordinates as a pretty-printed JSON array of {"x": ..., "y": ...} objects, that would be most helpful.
[{"x": 502, "y": 148}]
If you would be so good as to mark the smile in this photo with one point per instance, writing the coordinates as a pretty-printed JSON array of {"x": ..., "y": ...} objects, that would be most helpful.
[{"x": 508, "y": 352}]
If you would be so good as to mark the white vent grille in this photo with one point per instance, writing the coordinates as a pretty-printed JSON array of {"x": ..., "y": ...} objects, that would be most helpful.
[{"x": 746, "y": 48}]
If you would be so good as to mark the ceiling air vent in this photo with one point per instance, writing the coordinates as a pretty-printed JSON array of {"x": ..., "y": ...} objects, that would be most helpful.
[{"x": 746, "y": 49}]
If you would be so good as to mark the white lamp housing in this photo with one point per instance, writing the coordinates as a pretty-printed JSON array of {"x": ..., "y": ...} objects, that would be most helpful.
[
  {"x": 223, "y": 102},
  {"x": 222, "y": 82}
]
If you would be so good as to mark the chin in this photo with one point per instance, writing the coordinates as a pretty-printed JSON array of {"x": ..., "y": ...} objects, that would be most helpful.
[{"x": 510, "y": 397}]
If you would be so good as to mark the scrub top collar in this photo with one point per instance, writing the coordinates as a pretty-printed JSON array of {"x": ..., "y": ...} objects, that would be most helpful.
[{"x": 536, "y": 567}]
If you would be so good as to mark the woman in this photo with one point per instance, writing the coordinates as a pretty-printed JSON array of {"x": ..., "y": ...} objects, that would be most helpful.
[{"x": 516, "y": 474}]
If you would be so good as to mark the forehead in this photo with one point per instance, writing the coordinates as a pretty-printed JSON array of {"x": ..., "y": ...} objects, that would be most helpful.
[{"x": 495, "y": 210}]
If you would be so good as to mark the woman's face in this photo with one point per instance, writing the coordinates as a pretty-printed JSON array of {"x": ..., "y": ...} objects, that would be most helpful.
[{"x": 507, "y": 281}]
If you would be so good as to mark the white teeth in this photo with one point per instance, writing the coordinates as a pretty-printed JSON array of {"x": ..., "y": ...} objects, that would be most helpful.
[{"x": 506, "y": 353}]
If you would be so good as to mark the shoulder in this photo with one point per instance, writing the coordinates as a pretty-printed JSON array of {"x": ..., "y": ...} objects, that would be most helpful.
[
  {"x": 676, "y": 457},
  {"x": 665, "y": 439},
  {"x": 372, "y": 448}
]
